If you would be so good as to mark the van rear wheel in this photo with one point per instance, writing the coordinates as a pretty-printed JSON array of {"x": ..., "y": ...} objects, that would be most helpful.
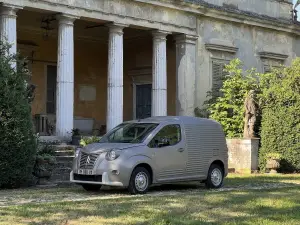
[
  {"x": 215, "y": 177},
  {"x": 140, "y": 181}
]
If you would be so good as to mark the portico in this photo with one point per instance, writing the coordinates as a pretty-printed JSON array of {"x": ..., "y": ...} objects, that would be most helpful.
[{"x": 84, "y": 78}]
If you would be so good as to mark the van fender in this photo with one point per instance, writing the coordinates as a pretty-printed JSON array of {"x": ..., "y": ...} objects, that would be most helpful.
[
  {"x": 135, "y": 160},
  {"x": 211, "y": 161}
]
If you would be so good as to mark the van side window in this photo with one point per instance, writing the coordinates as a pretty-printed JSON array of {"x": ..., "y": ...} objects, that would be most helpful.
[{"x": 167, "y": 136}]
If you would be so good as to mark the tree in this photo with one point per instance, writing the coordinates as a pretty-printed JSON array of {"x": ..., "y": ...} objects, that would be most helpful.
[{"x": 17, "y": 140}]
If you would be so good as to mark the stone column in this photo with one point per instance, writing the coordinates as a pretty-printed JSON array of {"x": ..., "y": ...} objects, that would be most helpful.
[
  {"x": 65, "y": 77},
  {"x": 8, "y": 26},
  {"x": 159, "y": 74},
  {"x": 114, "y": 114},
  {"x": 185, "y": 74}
]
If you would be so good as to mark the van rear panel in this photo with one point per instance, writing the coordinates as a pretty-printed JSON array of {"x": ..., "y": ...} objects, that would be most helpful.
[{"x": 205, "y": 143}]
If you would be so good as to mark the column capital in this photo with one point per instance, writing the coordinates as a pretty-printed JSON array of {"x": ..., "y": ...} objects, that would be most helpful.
[
  {"x": 116, "y": 27},
  {"x": 67, "y": 19},
  {"x": 160, "y": 34},
  {"x": 185, "y": 38},
  {"x": 9, "y": 9}
]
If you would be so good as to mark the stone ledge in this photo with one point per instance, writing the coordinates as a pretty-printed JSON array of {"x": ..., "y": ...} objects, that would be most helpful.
[
  {"x": 272, "y": 55},
  {"x": 222, "y": 48}
]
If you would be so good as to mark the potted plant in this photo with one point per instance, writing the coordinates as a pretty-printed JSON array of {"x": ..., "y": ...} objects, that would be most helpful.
[
  {"x": 273, "y": 162},
  {"x": 76, "y": 136},
  {"x": 44, "y": 163}
]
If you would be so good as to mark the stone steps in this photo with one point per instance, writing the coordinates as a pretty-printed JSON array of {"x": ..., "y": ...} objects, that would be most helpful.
[
  {"x": 64, "y": 161},
  {"x": 65, "y": 164},
  {"x": 67, "y": 158},
  {"x": 65, "y": 153},
  {"x": 60, "y": 178}
]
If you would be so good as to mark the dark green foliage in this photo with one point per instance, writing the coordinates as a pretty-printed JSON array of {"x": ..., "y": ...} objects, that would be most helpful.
[
  {"x": 280, "y": 131},
  {"x": 17, "y": 140},
  {"x": 45, "y": 160}
]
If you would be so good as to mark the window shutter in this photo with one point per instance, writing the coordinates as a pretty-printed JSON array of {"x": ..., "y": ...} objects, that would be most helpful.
[
  {"x": 218, "y": 75},
  {"x": 267, "y": 69}
]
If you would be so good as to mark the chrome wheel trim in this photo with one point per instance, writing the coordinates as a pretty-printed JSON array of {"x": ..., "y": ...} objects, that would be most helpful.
[
  {"x": 216, "y": 177},
  {"x": 141, "y": 181}
]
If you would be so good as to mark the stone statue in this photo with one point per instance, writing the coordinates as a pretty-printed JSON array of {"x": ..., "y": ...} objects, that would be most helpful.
[{"x": 250, "y": 107}]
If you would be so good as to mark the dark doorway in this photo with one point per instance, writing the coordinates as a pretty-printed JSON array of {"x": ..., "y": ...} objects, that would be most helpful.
[
  {"x": 143, "y": 100},
  {"x": 51, "y": 89}
]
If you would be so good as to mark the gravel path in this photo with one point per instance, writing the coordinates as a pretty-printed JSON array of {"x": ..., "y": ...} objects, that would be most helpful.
[{"x": 75, "y": 193}]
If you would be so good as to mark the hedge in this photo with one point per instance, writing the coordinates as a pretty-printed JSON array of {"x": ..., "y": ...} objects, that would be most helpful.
[
  {"x": 17, "y": 140},
  {"x": 280, "y": 128}
]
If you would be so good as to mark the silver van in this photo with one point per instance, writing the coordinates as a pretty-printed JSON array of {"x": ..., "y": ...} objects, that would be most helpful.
[{"x": 157, "y": 150}]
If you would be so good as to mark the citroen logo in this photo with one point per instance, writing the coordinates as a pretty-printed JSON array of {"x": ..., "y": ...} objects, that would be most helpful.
[{"x": 88, "y": 160}]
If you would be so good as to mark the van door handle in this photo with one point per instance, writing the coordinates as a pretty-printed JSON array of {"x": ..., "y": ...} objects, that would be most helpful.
[{"x": 180, "y": 149}]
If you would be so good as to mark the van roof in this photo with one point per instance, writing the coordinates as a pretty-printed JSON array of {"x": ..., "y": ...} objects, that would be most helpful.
[{"x": 183, "y": 119}]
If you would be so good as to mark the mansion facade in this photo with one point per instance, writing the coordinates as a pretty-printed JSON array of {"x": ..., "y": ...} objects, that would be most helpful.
[{"x": 96, "y": 63}]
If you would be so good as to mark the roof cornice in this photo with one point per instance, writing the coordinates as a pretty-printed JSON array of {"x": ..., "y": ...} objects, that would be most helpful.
[{"x": 229, "y": 14}]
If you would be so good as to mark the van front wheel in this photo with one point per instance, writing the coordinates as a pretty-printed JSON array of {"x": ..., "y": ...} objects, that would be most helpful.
[
  {"x": 139, "y": 181},
  {"x": 215, "y": 177}
]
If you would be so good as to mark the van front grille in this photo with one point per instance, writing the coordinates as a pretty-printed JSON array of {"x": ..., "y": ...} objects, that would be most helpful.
[{"x": 87, "y": 161}]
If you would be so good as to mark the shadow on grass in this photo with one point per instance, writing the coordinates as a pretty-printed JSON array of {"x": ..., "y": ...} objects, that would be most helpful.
[{"x": 244, "y": 207}]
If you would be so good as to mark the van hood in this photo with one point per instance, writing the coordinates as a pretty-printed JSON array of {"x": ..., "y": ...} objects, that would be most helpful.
[{"x": 105, "y": 147}]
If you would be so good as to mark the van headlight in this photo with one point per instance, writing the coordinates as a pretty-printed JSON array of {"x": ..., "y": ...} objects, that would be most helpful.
[
  {"x": 112, "y": 154},
  {"x": 77, "y": 152}
]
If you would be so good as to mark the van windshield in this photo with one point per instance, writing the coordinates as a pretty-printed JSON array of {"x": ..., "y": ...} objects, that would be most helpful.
[{"x": 129, "y": 133}]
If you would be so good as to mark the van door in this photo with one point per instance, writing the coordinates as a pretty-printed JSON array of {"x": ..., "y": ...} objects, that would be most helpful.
[{"x": 169, "y": 153}]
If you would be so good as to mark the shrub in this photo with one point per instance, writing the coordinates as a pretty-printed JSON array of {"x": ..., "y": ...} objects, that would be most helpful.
[
  {"x": 17, "y": 140},
  {"x": 228, "y": 108},
  {"x": 89, "y": 140},
  {"x": 280, "y": 128}
]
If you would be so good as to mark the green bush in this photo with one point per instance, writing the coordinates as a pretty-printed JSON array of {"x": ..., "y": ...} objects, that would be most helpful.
[
  {"x": 228, "y": 108},
  {"x": 17, "y": 140},
  {"x": 280, "y": 129},
  {"x": 89, "y": 140}
]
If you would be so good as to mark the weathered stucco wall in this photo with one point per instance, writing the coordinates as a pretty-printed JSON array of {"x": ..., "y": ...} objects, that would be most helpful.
[
  {"x": 273, "y": 8},
  {"x": 248, "y": 40},
  {"x": 91, "y": 57}
]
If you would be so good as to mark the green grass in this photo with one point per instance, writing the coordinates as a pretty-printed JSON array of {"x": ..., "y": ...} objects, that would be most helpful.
[{"x": 180, "y": 204}]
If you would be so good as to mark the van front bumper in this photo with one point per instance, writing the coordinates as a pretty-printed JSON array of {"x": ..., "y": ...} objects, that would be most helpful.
[{"x": 88, "y": 179}]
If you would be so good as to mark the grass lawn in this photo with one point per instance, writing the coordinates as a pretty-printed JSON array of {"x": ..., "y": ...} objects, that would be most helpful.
[{"x": 237, "y": 203}]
